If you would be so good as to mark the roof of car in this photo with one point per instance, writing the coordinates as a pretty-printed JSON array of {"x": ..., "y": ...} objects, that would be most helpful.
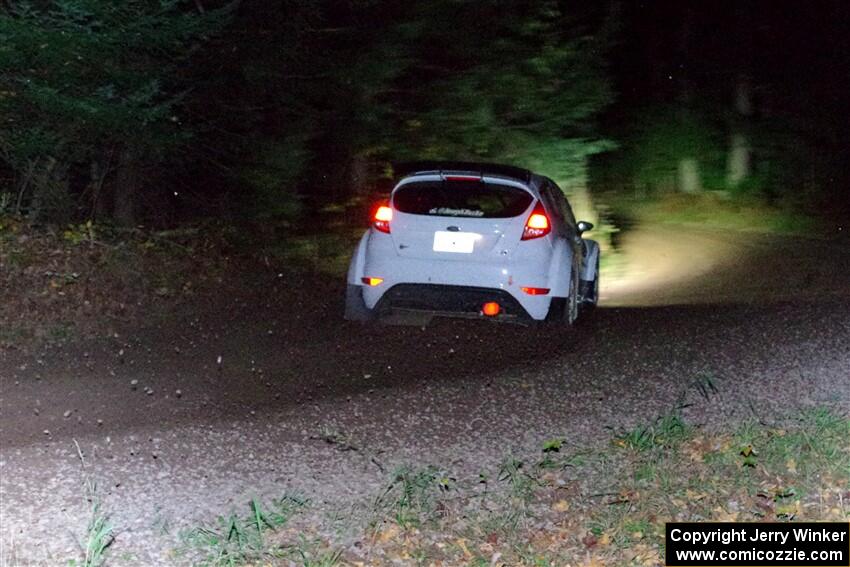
[{"x": 456, "y": 167}]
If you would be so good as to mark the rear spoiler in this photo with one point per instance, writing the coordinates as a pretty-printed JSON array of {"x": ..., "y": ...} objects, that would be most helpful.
[{"x": 461, "y": 167}]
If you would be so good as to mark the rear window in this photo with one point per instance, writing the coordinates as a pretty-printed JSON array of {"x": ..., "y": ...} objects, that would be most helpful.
[{"x": 461, "y": 199}]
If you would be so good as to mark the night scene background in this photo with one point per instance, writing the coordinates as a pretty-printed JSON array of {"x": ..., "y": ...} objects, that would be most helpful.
[{"x": 182, "y": 184}]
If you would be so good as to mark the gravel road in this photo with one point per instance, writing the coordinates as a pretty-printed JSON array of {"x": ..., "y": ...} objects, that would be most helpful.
[{"x": 184, "y": 422}]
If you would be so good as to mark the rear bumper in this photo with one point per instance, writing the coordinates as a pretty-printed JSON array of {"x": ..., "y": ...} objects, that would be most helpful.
[
  {"x": 480, "y": 281},
  {"x": 450, "y": 300},
  {"x": 456, "y": 301}
]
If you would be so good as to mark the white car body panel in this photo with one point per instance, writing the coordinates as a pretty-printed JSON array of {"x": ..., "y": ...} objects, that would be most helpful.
[{"x": 358, "y": 260}]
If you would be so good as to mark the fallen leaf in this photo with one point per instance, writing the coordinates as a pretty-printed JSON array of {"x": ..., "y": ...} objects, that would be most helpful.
[
  {"x": 389, "y": 533},
  {"x": 721, "y": 515},
  {"x": 693, "y": 495},
  {"x": 791, "y": 465},
  {"x": 792, "y": 510},
  {"x": 561, "y": 506},
  {"x": 644, "y": 554},
  {"x": 695, "y": 454},
  {"x": 594, "y": 562}
]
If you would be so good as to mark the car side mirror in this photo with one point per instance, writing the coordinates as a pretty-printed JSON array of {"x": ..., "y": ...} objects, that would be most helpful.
[{"x": 584, "y": 226}]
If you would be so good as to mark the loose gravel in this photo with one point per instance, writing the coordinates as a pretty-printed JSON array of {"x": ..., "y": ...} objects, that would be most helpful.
[{"x": 182, "y": 424}]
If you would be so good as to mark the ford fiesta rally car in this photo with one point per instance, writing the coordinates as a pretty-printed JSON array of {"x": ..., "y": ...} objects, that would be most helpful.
[{"x": 474, "y": 240}]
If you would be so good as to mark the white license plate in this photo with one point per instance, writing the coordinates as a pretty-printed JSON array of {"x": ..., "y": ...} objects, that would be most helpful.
[{"x": 459, "y": 242}]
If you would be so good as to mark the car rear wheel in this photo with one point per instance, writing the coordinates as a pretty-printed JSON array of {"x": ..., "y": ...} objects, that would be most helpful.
[
  {"x": 572, "y": 301},
  {"x": 355, "y": 307},
  {"x": 590, "y": 291},
  {"x": 565, "y": 310}
]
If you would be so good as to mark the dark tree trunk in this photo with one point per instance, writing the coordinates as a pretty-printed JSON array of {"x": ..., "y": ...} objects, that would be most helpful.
[
  {"x": 127, "y": 189},
  {"x": 738, "y": 161},
  {"x": 358, "y": 174},
  {"x": 739, "y": 156},
  {"x": 22, "y": 184},
  {"x": 94, "y": 190},
  {"x": 688, "y": 177},
  {"x": 50, "y": 195}
]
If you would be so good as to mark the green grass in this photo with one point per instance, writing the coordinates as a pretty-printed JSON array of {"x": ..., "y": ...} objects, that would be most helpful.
[
  {"x": 314, "y": 554},
  {"x": 605, "y": 504},
  {"x": 327, "y": 253},
  {"x": 714, "y": 211},
  {"x": 242, "y": 540},
  {"x": 665, "y": 432},
  {"x": 669, "y": 470},
  {"x": 659, "y": 471},
  {"x": 814, "y": 444},
  {"x": 520, "y": 482},
  {"x": 99, "y": 536},
  {"x": 411, "y": 497},
  {"x": 100, "y": 533}
]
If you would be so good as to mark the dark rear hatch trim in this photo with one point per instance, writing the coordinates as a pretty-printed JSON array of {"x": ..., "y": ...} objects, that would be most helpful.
[{"x": 458, "y": 167}]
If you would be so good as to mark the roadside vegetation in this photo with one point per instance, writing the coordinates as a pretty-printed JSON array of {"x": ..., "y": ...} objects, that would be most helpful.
[
  {"x": 81, "y": 280},
  {"x": 253, "y": 539},
  {"x": 603, "y": 505},
  {"x": 710, "y": 211},
  {"x": 195, "y": 118},
  {"x": 60, "y": 283},
  {"x": 99, "y": 534}
]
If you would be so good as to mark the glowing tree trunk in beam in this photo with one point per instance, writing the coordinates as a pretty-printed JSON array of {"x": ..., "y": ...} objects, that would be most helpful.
[{"x": 738, "y": 162}]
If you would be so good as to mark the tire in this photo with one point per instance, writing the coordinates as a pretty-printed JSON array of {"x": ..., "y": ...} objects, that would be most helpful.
[
  {"x": 565, "y": 310},
  {"x": 355, "y": 307},
  {"x": 557, "y": 308},
  {"x": 590, "y": 291},
  {"x": 572, "y": 307}
]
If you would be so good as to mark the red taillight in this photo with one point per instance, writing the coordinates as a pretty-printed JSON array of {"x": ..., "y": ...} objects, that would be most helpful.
[
  {"x": 537, "y": 224},
  {"x": 491, "y": 308},
  {"x": 535, "y": 290},
  {"x": 372, "y": 281},
  {"x": 462, "y": 178},
  {"x": 382, "y": 218}
]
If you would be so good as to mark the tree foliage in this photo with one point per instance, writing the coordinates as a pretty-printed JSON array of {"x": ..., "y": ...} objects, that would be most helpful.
[
  {"x": 272, "y": 103},
  {"x": 698, "y": 81},
  {"x": 93, "y": 83},
  {"x": 514, "y": 81},
  {"x": 359, "y": 85}
]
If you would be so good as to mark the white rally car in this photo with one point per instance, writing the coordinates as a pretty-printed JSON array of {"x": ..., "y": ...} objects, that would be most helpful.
[{"x": 474, "y": 240}]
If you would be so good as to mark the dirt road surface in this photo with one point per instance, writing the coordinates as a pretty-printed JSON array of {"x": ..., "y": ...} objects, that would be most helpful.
[{"x": 229, "y": 401}]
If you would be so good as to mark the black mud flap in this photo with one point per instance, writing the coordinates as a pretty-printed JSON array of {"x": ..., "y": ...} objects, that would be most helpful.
[{"x": 355, "y": 307}]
